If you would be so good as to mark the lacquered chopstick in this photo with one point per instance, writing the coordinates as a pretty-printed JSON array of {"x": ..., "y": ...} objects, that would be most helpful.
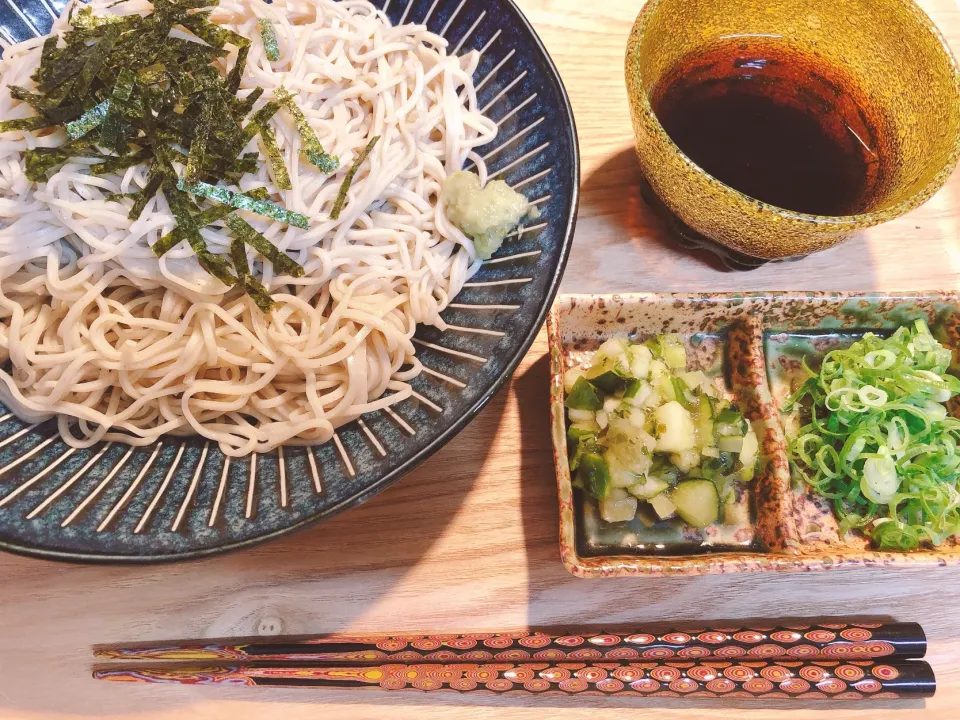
[
  {"x": 804, "y": 679},
  {"x": 828, "y": 640}
]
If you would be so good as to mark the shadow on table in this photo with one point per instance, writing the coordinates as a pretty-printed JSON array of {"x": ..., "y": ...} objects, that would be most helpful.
[
  {"x": 624, "y": 246},
  {"x": 303, "y": 583}
]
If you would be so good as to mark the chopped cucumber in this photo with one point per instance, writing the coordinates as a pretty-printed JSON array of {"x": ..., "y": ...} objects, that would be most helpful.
[
  {"x": 583, "y": 397},
  {"x": 736, "y": 513},
  {"x": 705, "y": 421},
  {"x": 570, "y": 378},
  {"x": 675, "y": 430},
  {"x": 730, "y": 443},
  {"x": 649, "y": 488},
  {"x": 674, "y": 354},
  {"x": 594, "y": 475},
  {"x": 614, "y": 347},
  {"x": 582, "y": 416},
  {"x": 697, "y": 502},
  {"x": 620, "y": 476},
  {"x": 643, "y": 427},
  {"x": 663, "y": 506},
  {"x": 696, "y": 380},
  {"x": 640, "y": 358},
  {"x": 619, "y": 507},
  {"x": 751, "y": 446}
]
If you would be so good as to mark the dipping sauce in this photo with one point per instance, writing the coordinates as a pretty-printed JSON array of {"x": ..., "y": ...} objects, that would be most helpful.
[{"x": 778, "y": 124}]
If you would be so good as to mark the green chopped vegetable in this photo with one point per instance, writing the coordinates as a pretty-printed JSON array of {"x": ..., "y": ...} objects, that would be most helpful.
[
  {"x": 269, "y": 35},
  {"x": 697, "y": 502},
  {"x": 594, "y": 475},
  {"x": 879, "y": 443},
  {"x": 240, "y": 201},
  {"x": 583, "y": 397},
  {"x": 311, "y": 144},
  {"x": 348, "y": 178},
  {"x": 657, "y": 431}
]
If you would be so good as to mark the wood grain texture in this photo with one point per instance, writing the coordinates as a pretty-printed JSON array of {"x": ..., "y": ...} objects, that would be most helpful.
[{"x": 469, "y": 540}]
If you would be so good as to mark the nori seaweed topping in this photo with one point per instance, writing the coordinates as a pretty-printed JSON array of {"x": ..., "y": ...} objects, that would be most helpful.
[
  {"x": 91, "y": 119},
  {"x": 241, "y": 201},
  {"x": 249, "y": 284},
  {"x": 269, "y": 35},
  {"x": 32, "y": 123},
  {"x": 311, "y": 144},
  {"x": 246, "y": 232},
  {"x": 348, "y": 178},
  {"x": 151, "y": 96}
]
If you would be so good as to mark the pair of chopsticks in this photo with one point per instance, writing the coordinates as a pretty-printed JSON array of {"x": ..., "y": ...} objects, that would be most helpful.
[{"x": 848, "y": 660}]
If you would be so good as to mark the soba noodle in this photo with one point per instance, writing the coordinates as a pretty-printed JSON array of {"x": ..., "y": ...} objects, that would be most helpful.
[{"x": 121, "y": 345}]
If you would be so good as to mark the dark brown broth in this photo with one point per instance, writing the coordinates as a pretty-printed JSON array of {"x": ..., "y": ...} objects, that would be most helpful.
[{"x": 780, "y": 126}]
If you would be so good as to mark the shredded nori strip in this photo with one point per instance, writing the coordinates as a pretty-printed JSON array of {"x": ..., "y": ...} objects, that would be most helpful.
[
  {"x": 246, "y": 232},
  {"x": 110, "y": 133},
  {"x": 154, "y": 182},
  {"x": 280, "y": 175},
  {"x": 98, "y": 56},
  {"x": 173, "y": 238},
  {"x": 198, "y": 147},
  {"x": 121, "y": 163},
  {"x": 311, "y": 143},
  {"x": 213, "y": 264},
  {"x": 236, "y": 72},
  {"x": 32, "y": 123},
  {"x": 244, "y": 202},
  {"x": 348, "y": 178},
  {"x": 92, "y": 118},
  {"x": 253, "y": 287},
  {"x": 269, "y": 35},
  {"x": 151, "y": 96},
  {"x": 39, "y": 160},
  {"x": 217, "y": 36}
]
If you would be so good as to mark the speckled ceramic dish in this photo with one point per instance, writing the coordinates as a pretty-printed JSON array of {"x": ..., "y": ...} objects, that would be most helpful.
[
  {"x": 752, "y": 344},
  {"x": 182, "y": 498}
]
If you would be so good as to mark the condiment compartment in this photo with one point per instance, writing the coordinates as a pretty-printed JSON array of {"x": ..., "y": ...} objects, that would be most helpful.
[{"x": 752, "y": 344}]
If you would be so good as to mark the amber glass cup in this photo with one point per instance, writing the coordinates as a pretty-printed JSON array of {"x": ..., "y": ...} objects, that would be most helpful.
[{"x": 890, "y": 49}]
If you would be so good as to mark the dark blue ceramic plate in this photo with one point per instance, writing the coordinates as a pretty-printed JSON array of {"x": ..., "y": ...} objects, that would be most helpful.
[{"x": 181, "y": 498}]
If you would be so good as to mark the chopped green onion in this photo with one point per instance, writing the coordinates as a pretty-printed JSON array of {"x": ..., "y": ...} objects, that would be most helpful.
[
  {"x": 241, "y": 201},
  {"x": 348, "y": 178},
  {"x": 269, "y": 35},
  {"x": 879, "y": 443}
]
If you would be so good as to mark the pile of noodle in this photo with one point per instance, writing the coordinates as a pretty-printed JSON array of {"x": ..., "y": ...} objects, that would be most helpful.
[{"x": 118, "y": 344}]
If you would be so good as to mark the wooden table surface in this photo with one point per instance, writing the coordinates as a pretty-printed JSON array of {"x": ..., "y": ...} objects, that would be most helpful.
[{"x": 469, "y": 540}]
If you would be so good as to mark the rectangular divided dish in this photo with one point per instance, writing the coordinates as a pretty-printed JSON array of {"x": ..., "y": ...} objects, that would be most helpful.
[{"x": 752, "y": 346}]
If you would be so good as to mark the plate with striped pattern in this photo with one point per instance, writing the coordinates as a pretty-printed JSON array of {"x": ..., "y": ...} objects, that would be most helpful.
[{"x": 181, "y": 497}]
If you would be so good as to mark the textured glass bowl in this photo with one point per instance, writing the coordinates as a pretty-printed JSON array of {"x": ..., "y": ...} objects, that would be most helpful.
[{"x": 900, "y": 60}]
